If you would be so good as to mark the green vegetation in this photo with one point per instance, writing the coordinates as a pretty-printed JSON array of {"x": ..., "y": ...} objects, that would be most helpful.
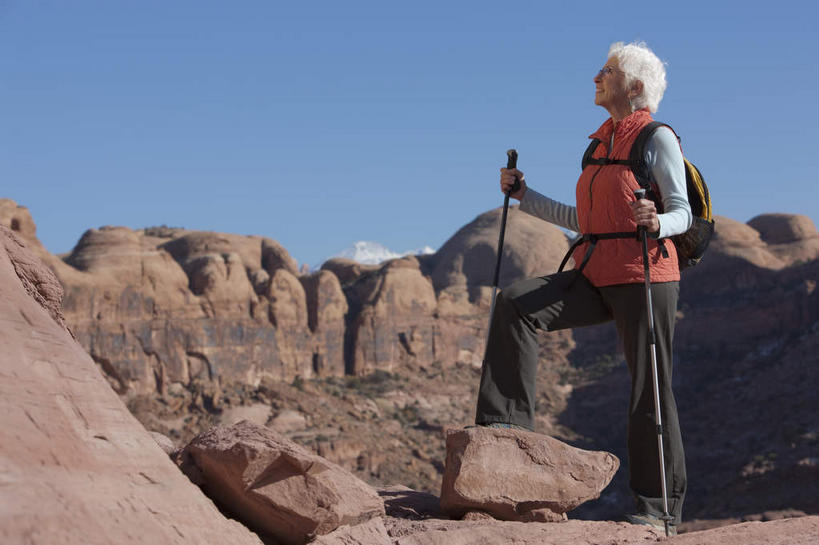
[
  {"x": 407, "y": 416},
  {"x": 375, "y": 384},
  {"x": 298, "y": 383}
]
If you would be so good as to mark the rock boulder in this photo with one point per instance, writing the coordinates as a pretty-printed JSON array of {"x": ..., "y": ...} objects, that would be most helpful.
[
  {"x": 372, "y": 532},
  {"x": 520, "y": 475},
  {"x": 276, "y": 486}
]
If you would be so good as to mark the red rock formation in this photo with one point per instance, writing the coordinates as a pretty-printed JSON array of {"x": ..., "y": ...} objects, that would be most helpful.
[
  {"x": 276, "y": 486},
  {"x": 37, "y": 280},
  {"x": 520, "y": 475},
  {"x": 532, "y": 247},
  {"x": 372, "y": 532},
  {"x": 18, "y": 219},
  {"x": 175, "y": 307},
  {"x": 288, "y": 314},
  {"x": 165, "y": 307},
  {"x": 792, "y": 238},
  {"x": 75, "y": 466},
  {"x": 462, "y": 272},
  {"x": 326, "y": 311},
  {"x": 347, "y": 270},
  {"x": 784, "y": 228},
  {"x": 395, "y": 326},
  {"x": 743, "y": 279}
]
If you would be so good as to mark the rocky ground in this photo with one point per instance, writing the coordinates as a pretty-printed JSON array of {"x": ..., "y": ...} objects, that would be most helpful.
[
  {"x": 387, "y": 428},
  {"x": 353, "y": 364}
]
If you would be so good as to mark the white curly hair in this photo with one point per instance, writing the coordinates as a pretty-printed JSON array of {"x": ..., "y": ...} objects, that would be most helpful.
[{"x": 641, "y": 64}]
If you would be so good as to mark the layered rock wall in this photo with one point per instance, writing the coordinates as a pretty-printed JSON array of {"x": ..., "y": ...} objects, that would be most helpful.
[
  {"x": 173, "y": 306},
  {"x": 165, "y": 307}
]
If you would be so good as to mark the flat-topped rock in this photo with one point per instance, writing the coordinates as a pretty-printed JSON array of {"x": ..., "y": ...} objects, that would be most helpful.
[{"x": 520, "y": 475}]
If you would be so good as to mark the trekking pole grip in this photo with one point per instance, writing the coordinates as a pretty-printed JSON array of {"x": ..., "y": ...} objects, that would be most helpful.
[
  {"x": 511, "y": 158},
  {"x": 641, "y": 229},
  {"x": 512, "y": 162}
]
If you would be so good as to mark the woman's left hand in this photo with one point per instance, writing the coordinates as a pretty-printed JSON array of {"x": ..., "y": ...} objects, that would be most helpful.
[{"x": 645, "y": 213}]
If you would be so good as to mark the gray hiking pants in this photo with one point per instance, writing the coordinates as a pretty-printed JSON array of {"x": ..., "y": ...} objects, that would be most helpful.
[{"x": 507, "y": 390}]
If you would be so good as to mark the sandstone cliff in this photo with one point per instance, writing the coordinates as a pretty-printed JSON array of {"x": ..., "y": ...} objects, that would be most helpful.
[{"x": 164, "y": 308}]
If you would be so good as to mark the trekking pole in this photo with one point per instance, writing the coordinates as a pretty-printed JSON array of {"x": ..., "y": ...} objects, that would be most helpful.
[
  {"x": 641, "y": 233},
  {"x": 511, "y": 162}
]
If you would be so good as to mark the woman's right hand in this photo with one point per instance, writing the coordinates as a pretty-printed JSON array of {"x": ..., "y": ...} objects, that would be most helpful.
[{"x": 507, "y": 180}]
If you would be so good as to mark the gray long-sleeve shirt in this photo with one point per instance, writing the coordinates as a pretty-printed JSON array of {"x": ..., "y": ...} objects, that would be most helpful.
[{"x": 664, "y": 160}]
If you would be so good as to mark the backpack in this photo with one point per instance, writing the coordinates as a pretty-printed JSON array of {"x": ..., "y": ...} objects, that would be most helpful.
[{"x": 692, "y": 244}]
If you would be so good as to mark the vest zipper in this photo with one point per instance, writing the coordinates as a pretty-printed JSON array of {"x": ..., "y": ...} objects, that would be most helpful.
[
  {"x": 591, "y": 195},
  {"x": 591, "y": 182}
]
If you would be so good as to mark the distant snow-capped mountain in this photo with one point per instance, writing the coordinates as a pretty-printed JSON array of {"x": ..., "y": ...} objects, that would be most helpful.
[{"x": 373, "y": 253}]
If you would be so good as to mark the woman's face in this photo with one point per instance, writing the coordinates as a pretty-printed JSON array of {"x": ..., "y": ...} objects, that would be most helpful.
[{"x": 610, "y": 83}]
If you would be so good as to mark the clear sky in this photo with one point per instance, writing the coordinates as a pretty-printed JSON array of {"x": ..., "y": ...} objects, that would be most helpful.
[{"x": 320, "y": 124}]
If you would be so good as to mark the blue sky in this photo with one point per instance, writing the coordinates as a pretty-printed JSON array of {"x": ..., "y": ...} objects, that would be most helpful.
[{"x": 320, "y": 124}]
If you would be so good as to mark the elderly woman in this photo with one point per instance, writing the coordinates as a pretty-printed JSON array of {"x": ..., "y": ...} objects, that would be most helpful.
[{"x": 611, "y": 284}]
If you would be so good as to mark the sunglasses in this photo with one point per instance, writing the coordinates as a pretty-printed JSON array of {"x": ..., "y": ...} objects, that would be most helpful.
[{"x": 607, "y": 70}]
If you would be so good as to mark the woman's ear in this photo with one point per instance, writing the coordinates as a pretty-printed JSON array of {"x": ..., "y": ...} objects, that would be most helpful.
[{"x": 636, "y": 89}]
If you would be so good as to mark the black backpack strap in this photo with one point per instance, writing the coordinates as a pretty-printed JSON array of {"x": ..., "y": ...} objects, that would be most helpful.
[
  {"x": 637, "y": 158},
  {"x": 588, "y": 160},
  {"x": 580, "y": 240},
  {"x": 592, "y": 239},
  {"x": 587, "y": 155},
  {"x": 607, "y": 161}
]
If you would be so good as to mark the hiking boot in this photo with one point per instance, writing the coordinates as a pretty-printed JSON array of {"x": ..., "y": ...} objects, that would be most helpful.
[
  {"x": 498, "y": 425},
  {"x": 657, "y": 523},
  {"x": 504, "y": 426}
]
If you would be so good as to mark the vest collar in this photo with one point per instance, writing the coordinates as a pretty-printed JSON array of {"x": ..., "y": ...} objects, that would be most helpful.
[{"x": 627, "y": 125}]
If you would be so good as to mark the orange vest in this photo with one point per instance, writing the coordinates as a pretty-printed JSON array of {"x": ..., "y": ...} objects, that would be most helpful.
[{"x": 603, "y": 196}]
